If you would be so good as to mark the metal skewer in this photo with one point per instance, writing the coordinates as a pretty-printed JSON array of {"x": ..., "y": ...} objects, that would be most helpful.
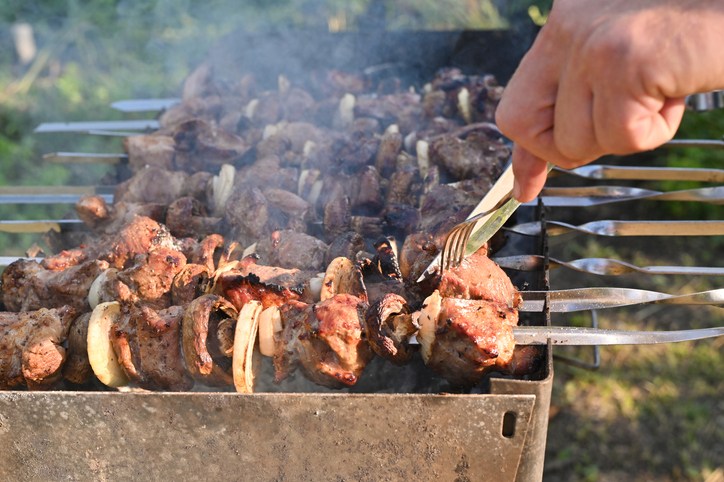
[
  {"x": 624, "y": 228},
  {"x": 601, "y": 266}
]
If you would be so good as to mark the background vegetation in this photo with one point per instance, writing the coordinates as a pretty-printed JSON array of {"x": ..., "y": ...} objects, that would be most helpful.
[{"x": 649, "y": 413}]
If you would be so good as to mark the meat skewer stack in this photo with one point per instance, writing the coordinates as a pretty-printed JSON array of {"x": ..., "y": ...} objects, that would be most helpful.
[{"x": 276, "y": 214}]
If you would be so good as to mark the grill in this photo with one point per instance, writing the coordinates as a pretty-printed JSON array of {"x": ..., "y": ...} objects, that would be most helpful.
[{"x": 497, "y": 435}]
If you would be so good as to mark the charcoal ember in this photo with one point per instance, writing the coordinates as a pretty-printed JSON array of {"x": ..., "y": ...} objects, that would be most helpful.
[
  {"x": 150, "y": 150},
  {"x": 27, "y": 286},
  {"x": 201, "y": 145},
  {"x": 325, "y": 340},
  {"x": 152, "y": 275},
  {"x": 292, "y": 249},
  {"x": 270, "y": 285},
  {"x": 147, "y": 344},
  {"x": 345, "y": 245},
  {"x": 187, "y": 217},
  {"x": 31, "y": 347},
  {"x": 476, "y": 156}
]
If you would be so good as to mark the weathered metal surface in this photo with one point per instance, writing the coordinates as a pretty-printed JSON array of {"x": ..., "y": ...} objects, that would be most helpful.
[{"x": 160, "y": 436}]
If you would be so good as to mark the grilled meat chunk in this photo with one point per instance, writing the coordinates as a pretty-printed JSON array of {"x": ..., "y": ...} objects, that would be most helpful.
[
  {"x": 27, "y": 286},
  {"x": 291, "y": 249},
  {"x": 77, "y": 368},
  {"x": 147, "y": 345},
  {"x": 479, "y": 278},
  {"x": 151, "y": 150},
  {"x": 31, "y": 347},
  {"x": 462, "y": 340},
  {"x": 325, "y": 340}
]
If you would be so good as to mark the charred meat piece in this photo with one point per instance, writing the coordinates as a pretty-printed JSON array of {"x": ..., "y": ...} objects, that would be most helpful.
[
  {"x": 152, "y": 275},
  {"x": 477, "y": 156},
  {"x": 389, "y": 325},
  {"x": 147, "y": 344},
  {"x": 325, "y": 340},
  {"x": 201, "y": 145},
  {"x": 189, "y": 283},
  {"x": 27, "y": 286},
  {"x": 187, "y": 217},
  {"x": 462, "y": 340},
  {"x": 31, "y": 347},
  {"x": 207, "y": 354},
  {"x": 151, "y": 150},
  {"x": 77, "y": 368},
  {"x": 156, "y": 185},
  {"x": 292, "y": 250},
  {"x": 479, "y": 278},
  {"x": 271, "y": 285}
]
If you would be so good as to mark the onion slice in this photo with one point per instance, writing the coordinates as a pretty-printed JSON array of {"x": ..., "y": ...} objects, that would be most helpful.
[
  {"x": 270, "y": 324},
  {"x": 101, "y": 356},
  {"x": 428, "y": 323},
  {"x": 247, "y": 326},
  {"x": 341, "y": 277}
]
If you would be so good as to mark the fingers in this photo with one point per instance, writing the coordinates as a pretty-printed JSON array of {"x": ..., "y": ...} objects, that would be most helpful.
[{"x": 530, "y": 174}]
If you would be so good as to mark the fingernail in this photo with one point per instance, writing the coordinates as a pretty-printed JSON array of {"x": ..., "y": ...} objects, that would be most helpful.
[{"x": 516, "y": 189}]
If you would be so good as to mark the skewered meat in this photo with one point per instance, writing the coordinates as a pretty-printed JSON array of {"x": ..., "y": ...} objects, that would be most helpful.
[
  {"x": 77, "y": 367},
  {"x": 325, "y": 340},
  {"x": 389, "y": 326},
  {"x": 147, "y": 345},
  {"x": 31, "y": 347},
  {"x": 27, "y": 286},
  {"x": 464, "y": 339}
]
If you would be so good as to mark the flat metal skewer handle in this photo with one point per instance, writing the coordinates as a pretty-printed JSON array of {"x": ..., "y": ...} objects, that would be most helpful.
[
  {"x": 586, "y": 299},
  {"x": 597, "y": 195},
  {"x": 601, "y": 266},
  {"x": 624, "y": 228},
  {"x": 635, "y": 173},
  {"x": 570, "y": 335}
]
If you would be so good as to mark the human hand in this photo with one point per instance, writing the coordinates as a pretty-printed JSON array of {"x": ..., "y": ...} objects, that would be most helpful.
[{"x": 608, "y": 78}]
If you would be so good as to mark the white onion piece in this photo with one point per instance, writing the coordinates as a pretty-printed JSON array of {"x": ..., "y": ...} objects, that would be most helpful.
[
  {"x": 308, "y": 148},
  {"x": 284, "y": 85},
  {"x": 269, "y": 130},
  {"x": 269, "y": 320},
  {"x": 222, "y": 185},
  {"x": 423, "y": 157},
  {"x": 101, "y": 356},
  {"x": 410, "y": 141},
  {"x": 315, "y": 287},
  {"x": 251, "y": 249},
  {"x": 338, "y": 279},
  {"x": 428, "y": 322},
  {"x": 315, "y": 192},
  {"x": 96, "y": 288},
  {"x": 346, "y": 109},
  {"x": 247, "y": 326},
  {"x": 392, "y": 129},
  {"x": 250, "y": 108},
  {"x": 464, "y": 105}
]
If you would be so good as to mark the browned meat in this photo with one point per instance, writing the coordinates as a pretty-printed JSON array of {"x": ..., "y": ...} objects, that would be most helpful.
[
  {"x": 77, "y": 368},
  {"x": 477, "y": 156},
  {"x": 271, "y": 285},
  {"x": 325, "y": 340},
  {"x": 205, "y": 358},
  {"x": 156, "y": 185},
  {"x": 189, "y": 283},
  {"x": 290, "y": 249},
  {"x": 479, "y": 278},
  {"x": 416, "y": 254},
  {"x": 147, "y": 343},
  {"x": 201, "y": 145},
  {"x": 187, "y": 217},
  {"x": 152, "y": 275},
  {"x": 27, "y": 286},
  {"x": 389, "y": 325},
  {"x": 139, "y": 236},
  {"x": 346, "y": 245},
  {"x": 31, "y": 347},
  {"x": 150, "y": 150},
  {"x": 92, "y": 210},
  {"x": 468, "y": 339}
]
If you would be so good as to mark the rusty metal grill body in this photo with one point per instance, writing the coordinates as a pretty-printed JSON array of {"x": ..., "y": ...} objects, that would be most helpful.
[{"x": 498, "y": 435}]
